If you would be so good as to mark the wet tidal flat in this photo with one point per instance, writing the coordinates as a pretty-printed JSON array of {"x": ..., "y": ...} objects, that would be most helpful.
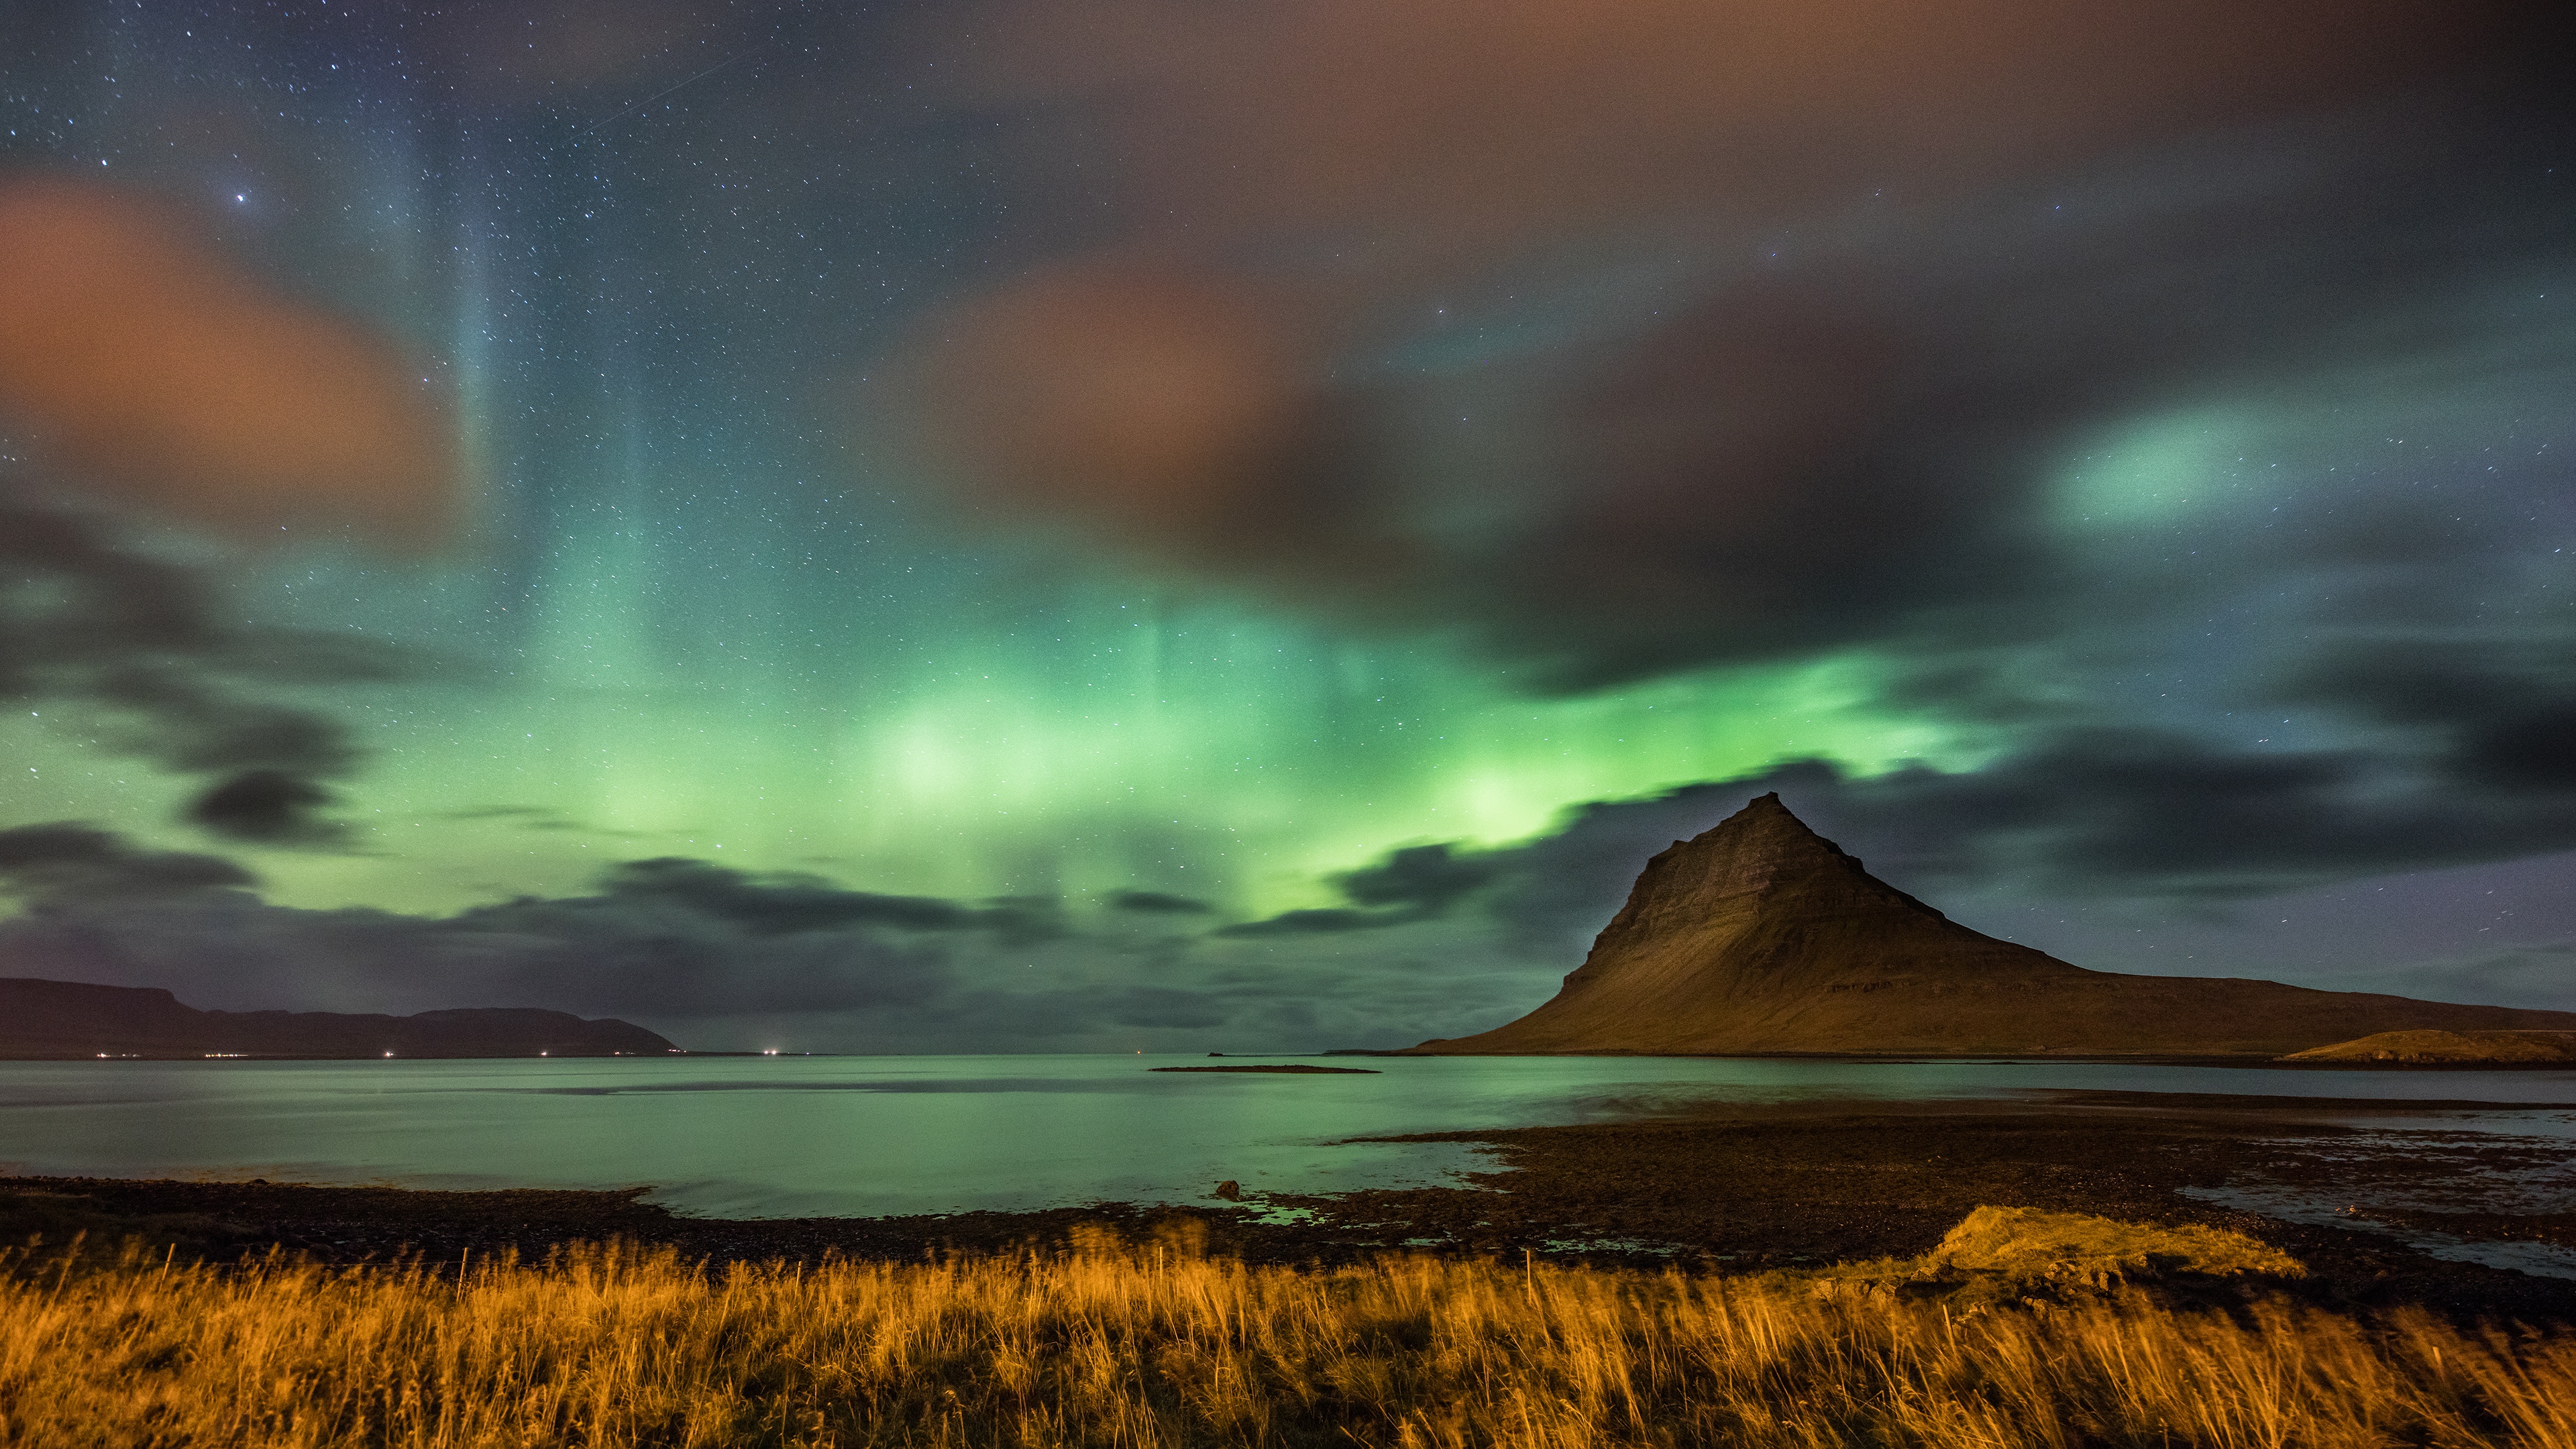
[{"x": 2375, "y": 1198}]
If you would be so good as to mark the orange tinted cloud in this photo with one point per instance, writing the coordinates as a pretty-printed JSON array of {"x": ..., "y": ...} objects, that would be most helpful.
[
  {"x": 1149, "y": 402},
  {"x": 1623, "y": 325},
  {"x": 1129, "y": 390},
  {"x": 1303, "y": 179},
  {"x": 1484, "y": 125},
  {"x": 142, "y": 362}
]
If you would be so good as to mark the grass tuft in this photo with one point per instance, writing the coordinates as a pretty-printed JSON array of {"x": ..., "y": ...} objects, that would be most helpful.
[{"x": 2031, "y": 1242}]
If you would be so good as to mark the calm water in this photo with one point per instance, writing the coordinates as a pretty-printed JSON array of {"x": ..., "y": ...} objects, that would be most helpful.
[{"x": 870, "y": 1135}]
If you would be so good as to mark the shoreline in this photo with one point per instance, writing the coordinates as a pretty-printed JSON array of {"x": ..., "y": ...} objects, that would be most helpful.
[
  {"x": 1905, "y": 1059},
  {"x": 1886, "y": 1059},
  {"x": 1732, "y": 1191}
]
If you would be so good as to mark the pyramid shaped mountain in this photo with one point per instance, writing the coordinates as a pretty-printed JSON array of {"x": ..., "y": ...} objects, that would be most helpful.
[{"x": 1763, "y": 937}]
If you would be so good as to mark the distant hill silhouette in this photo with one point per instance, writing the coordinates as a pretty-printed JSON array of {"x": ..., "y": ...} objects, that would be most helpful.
[
  {"x": 55, "y": 1019},
  {"x": 1762, "y": 937}
]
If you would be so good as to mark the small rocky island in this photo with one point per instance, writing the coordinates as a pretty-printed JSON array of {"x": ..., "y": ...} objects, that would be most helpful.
[
  {"x": 42, "y": 1020},
  {"x": 1761, "y": 937},
  {"x": 1297, "y": 1069}
]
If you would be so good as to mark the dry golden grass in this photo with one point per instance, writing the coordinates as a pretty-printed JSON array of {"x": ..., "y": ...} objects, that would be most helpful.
[{"x": 1153, "y": 1345}]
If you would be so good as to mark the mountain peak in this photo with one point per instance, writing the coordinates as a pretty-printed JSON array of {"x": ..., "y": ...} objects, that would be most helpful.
[
  {"x": 1764, "y": 831},
  {"x": 1762, "y": 849}
]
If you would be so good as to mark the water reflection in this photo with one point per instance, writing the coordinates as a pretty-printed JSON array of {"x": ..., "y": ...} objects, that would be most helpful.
[{"x": 784, "y": 1136}]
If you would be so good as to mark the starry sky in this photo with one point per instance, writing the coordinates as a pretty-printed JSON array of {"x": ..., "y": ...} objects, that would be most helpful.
[{"x": 1141, "y": 524}]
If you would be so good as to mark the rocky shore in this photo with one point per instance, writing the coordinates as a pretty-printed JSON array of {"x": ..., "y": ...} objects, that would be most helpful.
[{"x": 1747, "y": 1191}]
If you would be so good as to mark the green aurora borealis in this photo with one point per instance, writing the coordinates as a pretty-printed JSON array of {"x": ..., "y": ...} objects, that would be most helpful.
[
  {"x": 2049, "y": 493},
  {"x": 1209, "y": 752}
]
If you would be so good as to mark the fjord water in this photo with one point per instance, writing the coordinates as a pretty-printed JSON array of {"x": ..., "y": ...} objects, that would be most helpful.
[{"x": 796, "y": 1136}]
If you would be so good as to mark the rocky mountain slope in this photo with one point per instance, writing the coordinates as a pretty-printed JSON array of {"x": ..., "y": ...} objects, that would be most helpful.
[{"x": 1762, "y": 937}]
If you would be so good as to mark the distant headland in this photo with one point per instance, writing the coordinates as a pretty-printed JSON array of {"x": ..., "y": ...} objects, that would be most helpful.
[
  {"x": 2447, "y": 1049},
  {"x": 68, "y": 1019},
  {"x": 1761, "y": 937}
]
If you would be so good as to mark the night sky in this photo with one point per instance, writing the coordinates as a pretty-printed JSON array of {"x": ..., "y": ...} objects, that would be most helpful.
[{"x": 1137, "y": 524}]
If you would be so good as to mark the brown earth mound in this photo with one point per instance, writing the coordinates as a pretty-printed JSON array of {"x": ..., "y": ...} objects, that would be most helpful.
[
  {"x": 1762, "y": 937},
  {"x": 2451, "y": 1048}
]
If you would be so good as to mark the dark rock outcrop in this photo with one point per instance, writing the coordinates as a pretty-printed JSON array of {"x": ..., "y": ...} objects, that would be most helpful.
[
  {"x": 56, "y": 1019},
  {"x": 1761, "y": 937}
]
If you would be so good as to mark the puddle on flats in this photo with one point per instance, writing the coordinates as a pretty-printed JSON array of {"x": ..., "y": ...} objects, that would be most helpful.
[{"x": 2379, "y": 1181}]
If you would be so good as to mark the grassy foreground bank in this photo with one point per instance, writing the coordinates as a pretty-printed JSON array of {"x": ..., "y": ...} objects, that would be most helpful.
[{"x": 1151, "y": 1345}]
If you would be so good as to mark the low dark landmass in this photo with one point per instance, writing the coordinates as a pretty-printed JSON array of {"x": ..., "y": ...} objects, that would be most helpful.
[
  {"x": 1297, "y": 1070},
  {"x": 51, "y": 1020},
  {"x": 1743, "y": 1192}
]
